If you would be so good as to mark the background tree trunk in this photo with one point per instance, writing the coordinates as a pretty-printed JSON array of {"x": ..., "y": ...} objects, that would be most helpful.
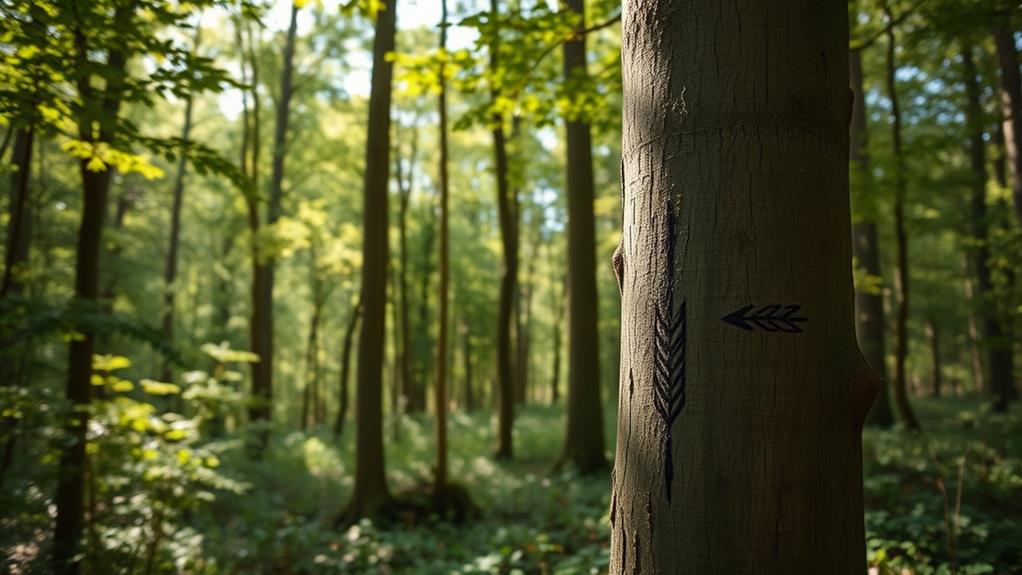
[
  {"x": 19, "y": 225},
  {"x": 1011, "y": 106},
  {"x": 509, "y": 275},
  {"x": 998, "y": 347},
  {"x": 370, "y": 496},
  {"x": 742, "y": 390},
  {"x": 583, "y": 444},
  {"x": 933, "y": 334},
  {"x": 869, "y": 307},
  {"x": 344, "y": 394},
  {"x": 440, "y": 385},
  {"x": 901, "y": 278}
]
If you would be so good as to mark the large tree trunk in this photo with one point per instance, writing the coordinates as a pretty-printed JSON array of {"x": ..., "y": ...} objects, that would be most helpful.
[
  {"x": 73, "y": 461},
  {"x": 370, "y": 496},
  {"x": 19, "y": 225},
  {"x": 170, "y": 266},
  {"x": 901, "y": 278},
  {"x": 342, "y": 404},
  {"x": 1011, "y": 106},
  {"x": 736, "y": 278},
  {"x": 869, "y": 307},
  {"x": 998, "y": 347},
  {"x": 509, "y": 273},
  {"x": 583, "y": 444}
]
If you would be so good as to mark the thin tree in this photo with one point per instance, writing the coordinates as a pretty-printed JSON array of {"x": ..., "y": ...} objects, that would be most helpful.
[
  {"x": 742, "y": 390},
  {"x": 170, "y": 265},
  {"x": 1011, "y": 107},
  {"x": 19, "y": 222},
  {"x": 901, "y": 278},
  {"x": 343, "y": 393},
  {"x": 509, "y": 243},
  {"x": 993, "y": 334},
  {"x": 583, "y": 444},
  {"x": 370, "y": 496},
  {"x": 870, "y": 323}
]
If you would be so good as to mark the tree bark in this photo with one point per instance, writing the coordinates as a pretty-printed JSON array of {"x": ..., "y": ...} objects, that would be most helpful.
[
  {"x": 1011, "y": 106},
  {"x": 998, "y": 347},
  {"x": 901, "y": 279},
  {"x": 342, "y": 404},
  {"x": 742, "y": 390},
  {"x": 509, "y": 273},
  {"x": 370, "y": 496},
  {"x": 405, "y": 193},
  {"x": 19, "y": 225},
  {"x": 440, "y": 385},
  {"x": 73, "y": 461},
  {"x": 583, "y": 444},
  {"x": 869, "y": 307}
]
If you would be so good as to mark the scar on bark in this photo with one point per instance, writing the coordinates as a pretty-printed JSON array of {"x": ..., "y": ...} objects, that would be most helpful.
[
  {"x": 866, "y": 385},
  {"x": 618, "y": 262}
]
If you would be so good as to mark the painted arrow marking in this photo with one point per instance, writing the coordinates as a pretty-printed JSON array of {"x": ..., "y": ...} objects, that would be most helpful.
[{"x": 769, "y": 318}]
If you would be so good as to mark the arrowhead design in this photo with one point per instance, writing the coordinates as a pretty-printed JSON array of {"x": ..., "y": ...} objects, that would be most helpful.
[{"x": 770, "y": 318}]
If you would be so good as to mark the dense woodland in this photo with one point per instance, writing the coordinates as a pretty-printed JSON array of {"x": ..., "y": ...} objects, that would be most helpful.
[{"x": 373, "y": 286}]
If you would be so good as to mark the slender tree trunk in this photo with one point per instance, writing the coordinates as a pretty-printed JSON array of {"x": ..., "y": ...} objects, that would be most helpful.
[
  {"x": 869, "y": 307},
  {"x": 735, "y": 165},
  {"x": 405, "y": 193},
  {"x": 370, "y": 496},
  {"x": 440, "y": 385},
  {"x": 558, "y": 308},
  {"x": 19, "y": 224},
  {"x": 509, "y": 274},
  {"x": 349, "y": 337},
  {"x": 998, "y": 347},
  {"x": 976, "y": 361},
  {"x": 933, "y": 334},
  {"x": 901, "y": 279},
  {"x": 72, "y": 465},
  {"x": 310, "y": 393},
  {"x": 1011, "y": 107},
  {"x": 423, "y": 339},
  {"x": 583, "y": 444},
  {"x": 170, "y": 266},
  {"x": 466, "y": 357}
]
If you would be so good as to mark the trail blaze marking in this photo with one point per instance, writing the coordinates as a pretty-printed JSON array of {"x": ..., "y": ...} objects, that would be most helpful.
[{"x": 770, "y": 318}]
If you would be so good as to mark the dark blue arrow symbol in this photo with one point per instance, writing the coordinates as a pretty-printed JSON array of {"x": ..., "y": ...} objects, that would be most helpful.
[{"x": 769, "y": 318}]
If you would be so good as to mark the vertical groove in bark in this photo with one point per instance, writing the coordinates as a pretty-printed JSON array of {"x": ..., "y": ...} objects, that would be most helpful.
[
  {"x": 370, "y": 496},
  {"x": 736, "y": 120},
  {"x": 901, "y": 279},
  {"x": 1011, "y": 106},
  {"x": 869, "y": 307},
  {"x": 998, "y": 348},
  {"x": 583, "y": 446},
  {"x": 509, "y": 273}
]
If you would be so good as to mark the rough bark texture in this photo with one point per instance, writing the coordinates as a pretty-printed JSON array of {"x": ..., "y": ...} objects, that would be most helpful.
[
  {"x": 870, "y": 324},
  {"x": 370, "y": 496},
  {"x": 901, "y": 278},
  {"x": 509, "y": 275},
  {"x": 1011, "y": 106},
  {"x": 742, "y": 390},
  {"x": 583, "y": 445},
  {"x": 998, "y": 347}
]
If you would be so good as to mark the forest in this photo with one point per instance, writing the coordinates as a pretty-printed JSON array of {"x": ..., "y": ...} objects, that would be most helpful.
[{"x": 511, "y": 287}]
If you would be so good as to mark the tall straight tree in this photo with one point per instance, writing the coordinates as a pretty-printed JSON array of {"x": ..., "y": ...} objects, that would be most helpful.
[
  {"x": 440, "y": 384},
  {"x": 170, "y": 265},
  {"x": 742, "y": 390},
  {"x": 869, "y": 305},
  {"x": 370, "y": 496},
  {"x": 509, "y": 274},
  {"x": 998, "y": 351},
  {"x": 1011, "y": 106},
  {"x": 583, "y": 444},
  {"x": 901, "y": 278},
  {"x": 18, "y": 229}
]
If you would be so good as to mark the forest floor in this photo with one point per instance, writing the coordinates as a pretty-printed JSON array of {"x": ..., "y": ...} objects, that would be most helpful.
[{"x": 537, "y": 521}]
